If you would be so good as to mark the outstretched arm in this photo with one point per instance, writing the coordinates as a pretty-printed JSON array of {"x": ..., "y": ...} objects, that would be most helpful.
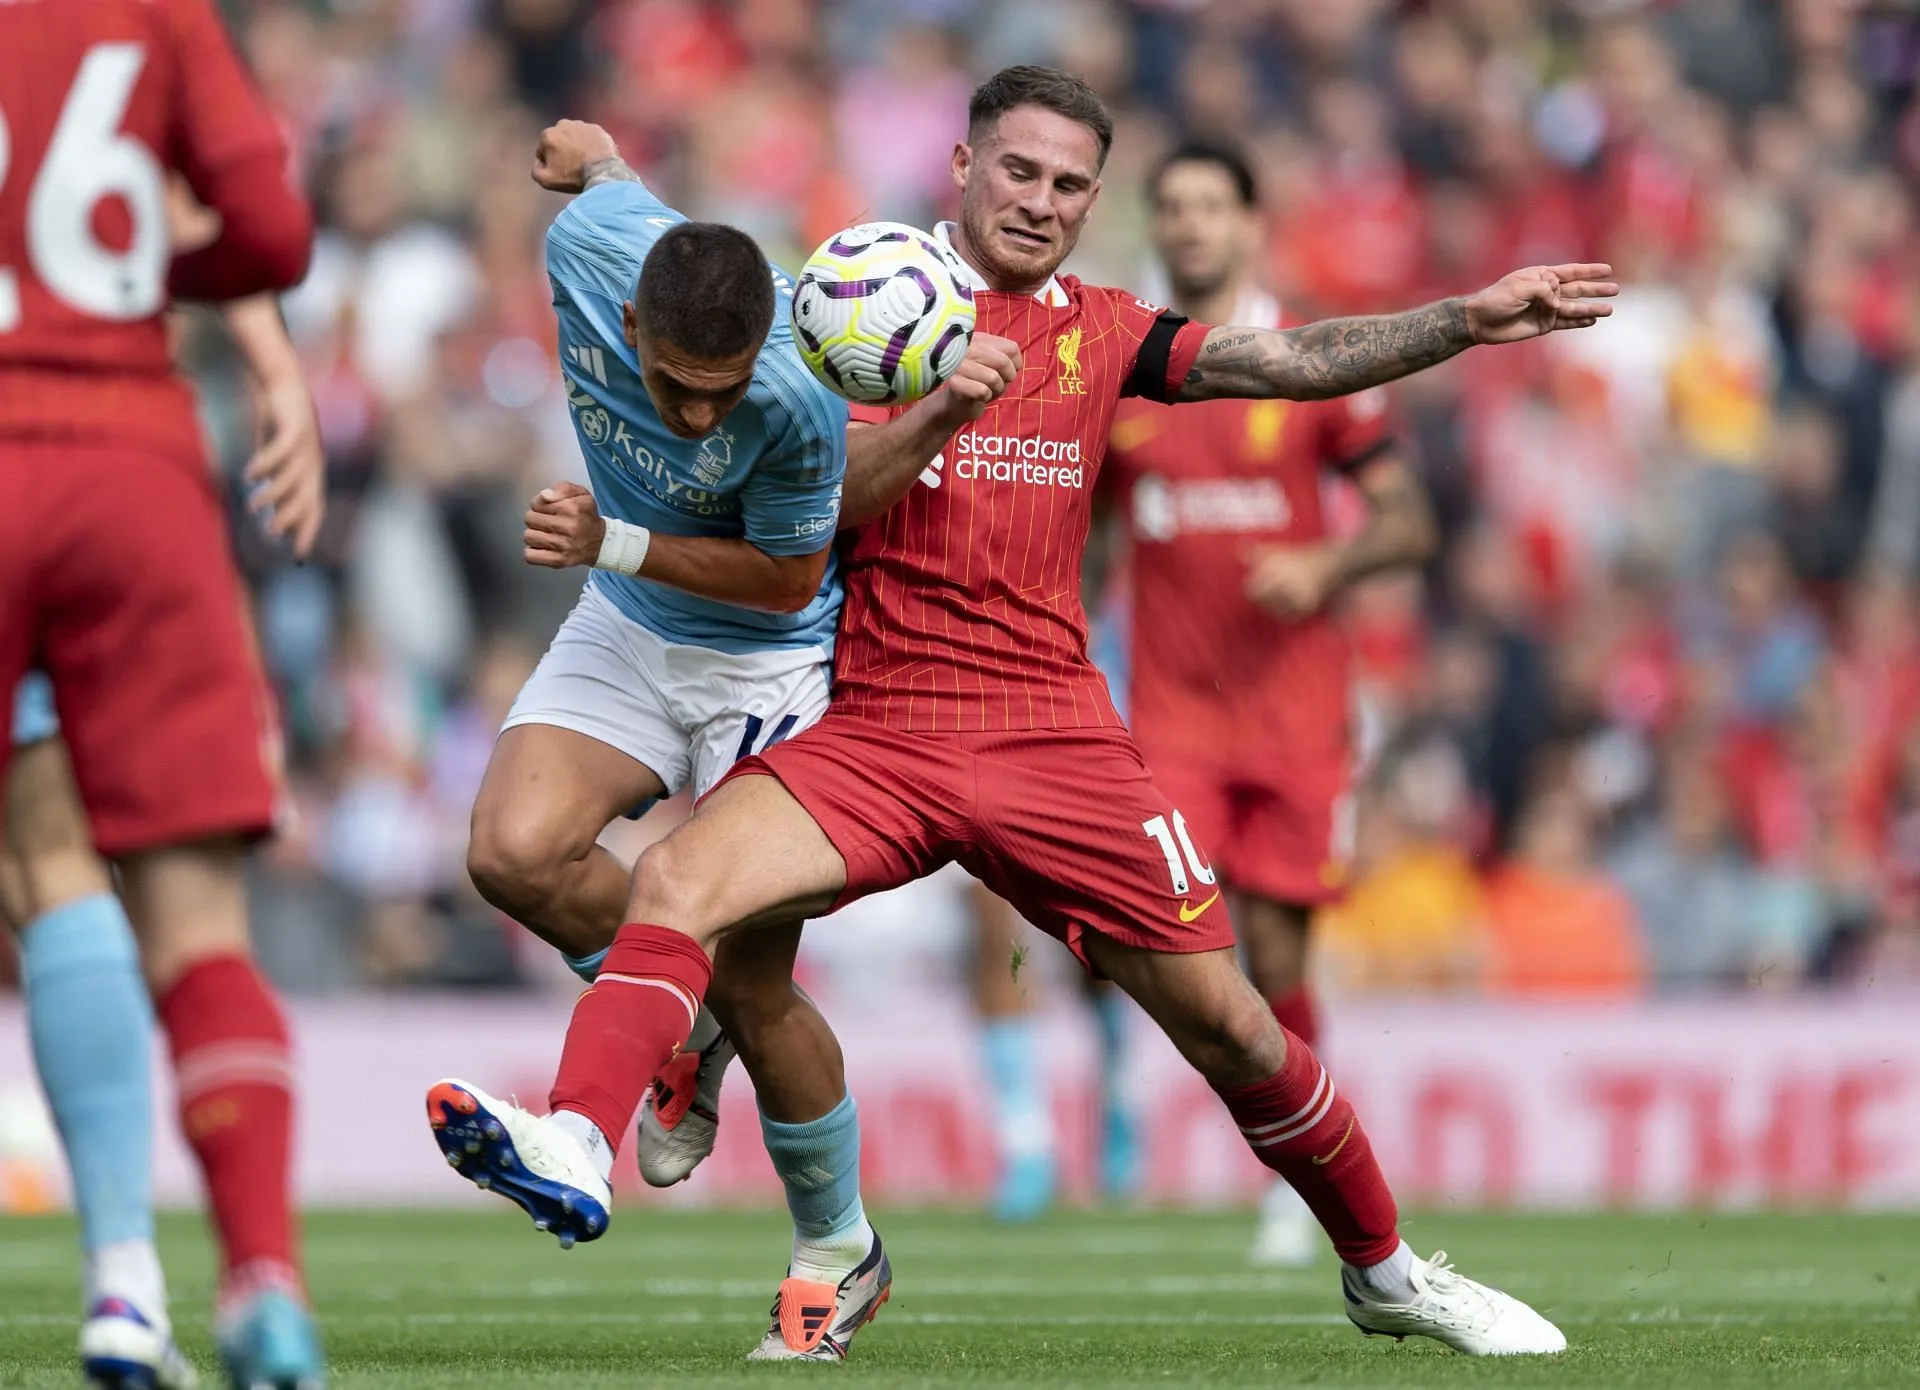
[{"x": 1337, "y": 356}]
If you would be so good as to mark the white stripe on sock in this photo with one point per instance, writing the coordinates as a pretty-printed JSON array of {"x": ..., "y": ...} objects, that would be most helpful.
[{"x": 1323, "y": 1084}]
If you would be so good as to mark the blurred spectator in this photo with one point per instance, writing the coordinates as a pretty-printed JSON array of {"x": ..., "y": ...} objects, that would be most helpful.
[
  {"x": 1708, "y": 915},
  {"x": 1412, "y": 920},
  {"x": 1556, "y": 926}
]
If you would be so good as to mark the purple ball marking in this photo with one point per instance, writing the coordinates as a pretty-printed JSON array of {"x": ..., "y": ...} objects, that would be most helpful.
[
  {"x": 954, "y": 330},
  {"x": 837, "y": 247},
  {"x": 897, "y": 344},
  {"x": 851, "y": 289}
]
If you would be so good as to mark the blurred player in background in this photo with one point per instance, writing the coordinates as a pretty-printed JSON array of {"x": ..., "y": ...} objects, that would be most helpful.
[
  {"x": 969, "y": 726},
  {"x": 115, "y": 579},
  {"x": 1238, "y": 687}
]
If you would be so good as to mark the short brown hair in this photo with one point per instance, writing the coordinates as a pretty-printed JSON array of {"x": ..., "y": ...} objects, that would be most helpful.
[
  {"x": 1029, "y": 84},
  {"x": 706, "y": 288}
]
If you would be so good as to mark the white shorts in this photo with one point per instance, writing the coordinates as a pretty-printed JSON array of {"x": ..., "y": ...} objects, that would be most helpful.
[{"x": 688, "y": 713}]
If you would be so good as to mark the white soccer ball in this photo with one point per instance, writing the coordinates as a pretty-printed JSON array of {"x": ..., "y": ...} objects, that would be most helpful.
[{"x": 882, "y": 313}]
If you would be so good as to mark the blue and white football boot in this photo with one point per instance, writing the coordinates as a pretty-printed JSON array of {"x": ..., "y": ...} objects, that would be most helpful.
[{"x": 526, "y": 1158}]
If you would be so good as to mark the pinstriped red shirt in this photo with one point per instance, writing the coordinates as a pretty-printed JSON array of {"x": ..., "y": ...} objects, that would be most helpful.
[{"x": 963, "y": 610}]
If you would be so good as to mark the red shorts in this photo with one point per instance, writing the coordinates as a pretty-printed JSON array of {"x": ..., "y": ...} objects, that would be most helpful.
[
  {"x": 1065, "y": 824},
  {"x": 1285, "y": 837},
  {"x": 116, "y": 578}
]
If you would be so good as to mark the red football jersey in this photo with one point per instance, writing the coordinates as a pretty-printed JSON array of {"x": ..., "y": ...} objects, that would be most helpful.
[
  {"x": 97, "y": 102},
  {"x": 963, "y": 606},
  {"x": 1213, "y": 674}
]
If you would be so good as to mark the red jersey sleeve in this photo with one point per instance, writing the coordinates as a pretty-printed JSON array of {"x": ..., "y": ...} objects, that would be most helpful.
[
  {"x": 1355, "y": 429},
  {"x": 224, "y": 142},
  {"x": 1159, "y": 346}
]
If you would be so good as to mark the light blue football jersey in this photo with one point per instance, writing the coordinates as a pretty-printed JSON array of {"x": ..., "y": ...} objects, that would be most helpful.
[{"x": 770, "y": 473}]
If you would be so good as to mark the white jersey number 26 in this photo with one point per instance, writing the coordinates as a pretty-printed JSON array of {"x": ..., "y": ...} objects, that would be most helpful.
[{"x": 87, "y": 161}]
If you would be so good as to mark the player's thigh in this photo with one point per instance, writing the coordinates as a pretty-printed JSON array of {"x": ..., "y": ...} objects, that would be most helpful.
[
  {"x": 49, "y": 860},
  {"x": 145, "y": 632},
  {"x": 187, "y": 904},
  {"x": 749, "y": 856},
  {"x": 1078, "y": 831},
  {"x": 546, "y": 795},
  {"x": 589, "y": 738}
]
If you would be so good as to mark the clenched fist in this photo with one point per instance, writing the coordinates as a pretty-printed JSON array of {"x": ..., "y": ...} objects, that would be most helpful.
[
  {"x": 990, "y": 367},
  {"x": 566, "y": 153},
  {"x": 563, "y": 528}
]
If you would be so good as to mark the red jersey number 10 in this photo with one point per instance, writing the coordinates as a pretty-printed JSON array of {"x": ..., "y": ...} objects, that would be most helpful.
[{"x": 89, "y": 160}]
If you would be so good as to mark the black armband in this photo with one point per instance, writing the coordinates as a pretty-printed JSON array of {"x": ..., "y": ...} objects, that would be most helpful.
[{"x": 1148, "y": 379}]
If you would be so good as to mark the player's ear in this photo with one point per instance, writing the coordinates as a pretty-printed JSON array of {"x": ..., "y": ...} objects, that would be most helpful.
[
  {"x": 630, "y": 325},
  {"x": 962, "y": 161}
]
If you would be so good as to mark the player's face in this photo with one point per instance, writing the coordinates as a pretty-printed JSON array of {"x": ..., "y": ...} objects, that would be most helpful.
[
  {"x": 1205, "y": 235},
  {"x": 1025, "y": 191},
  {"x": 692, "y": 394}
]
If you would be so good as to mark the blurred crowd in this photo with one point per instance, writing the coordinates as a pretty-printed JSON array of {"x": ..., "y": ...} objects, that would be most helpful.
[{"x": 1651, "y": 722}]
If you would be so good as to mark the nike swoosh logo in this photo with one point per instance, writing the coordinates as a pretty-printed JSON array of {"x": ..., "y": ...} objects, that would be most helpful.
[
  {"x": 1323, "y": 1162},
  {"x": 1188, "y": 911}
]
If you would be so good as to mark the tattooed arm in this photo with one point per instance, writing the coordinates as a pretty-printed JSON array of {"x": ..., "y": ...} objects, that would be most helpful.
[{"x": 1338, "y": 356}]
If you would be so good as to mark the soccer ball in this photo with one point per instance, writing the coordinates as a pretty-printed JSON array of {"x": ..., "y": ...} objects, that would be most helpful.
[{"x": 882, "y": 313}]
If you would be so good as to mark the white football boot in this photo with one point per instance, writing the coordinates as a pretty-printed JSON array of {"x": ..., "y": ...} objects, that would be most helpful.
[
  {"x": 1452, "y": 1309},
  {"x": 122, "y": 1349},
  {"x": 817, "y": 1321},
  {"x": 524, "y": 1157},
  {"x": 681, "y": 1117},
  {"x": 1288, "y": 1236}
]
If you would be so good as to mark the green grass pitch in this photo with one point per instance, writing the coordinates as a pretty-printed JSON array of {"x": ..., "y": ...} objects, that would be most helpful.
[{"x": 1083, "y": 1299}]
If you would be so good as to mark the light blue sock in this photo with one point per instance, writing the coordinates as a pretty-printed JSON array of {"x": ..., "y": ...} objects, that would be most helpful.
[
  {"x": 92, "y": 1028},
  {"x": 1014, "y": 1071},
  {"x": 586, "y": 967},
  {"x": 819, "y": 1164},
  {"x": 1122, "y": 1161},
  {"x": 1110, "y": 1018}
]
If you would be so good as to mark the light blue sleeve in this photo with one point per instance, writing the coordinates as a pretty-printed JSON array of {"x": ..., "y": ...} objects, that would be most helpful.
[
  {"x": 790, "y": 504},
  {"x": 595, "y": 249}
]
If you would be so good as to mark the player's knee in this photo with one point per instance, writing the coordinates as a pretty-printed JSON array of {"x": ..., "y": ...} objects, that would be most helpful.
[
  {"x": 514, "y": 863},
  {"x": 669, "y": 888},
  {"x": 1237, "y": 1043}
]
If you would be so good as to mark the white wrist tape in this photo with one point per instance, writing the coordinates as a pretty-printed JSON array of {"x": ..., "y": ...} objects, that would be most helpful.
[{"x": 623, "y": 548}]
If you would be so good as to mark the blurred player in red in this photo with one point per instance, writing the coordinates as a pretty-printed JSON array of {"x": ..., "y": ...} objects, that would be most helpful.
[
  {"x": 967, "y": 725},
  {"x": 115, "y": 575},
  {"x": 1238, "y": 687}
]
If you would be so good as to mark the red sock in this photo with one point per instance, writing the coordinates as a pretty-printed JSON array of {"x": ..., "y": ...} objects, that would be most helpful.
[
  {"x": 1297, "y": 1014},
  {"x": 235, "y": 1075},
  {"x": 1297, "y": 1125},
  {"x": 629, "y": 1025}
]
